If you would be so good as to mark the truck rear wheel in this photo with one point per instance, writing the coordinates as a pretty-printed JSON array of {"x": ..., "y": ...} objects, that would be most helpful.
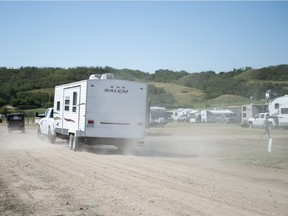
[
  {"x": 39, "y": 134},
  {"x": 51, "y": 137}
]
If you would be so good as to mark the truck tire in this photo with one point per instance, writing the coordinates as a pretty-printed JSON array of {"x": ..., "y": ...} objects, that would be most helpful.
[
  {"x": 39, "y": 134},
  {"x": 51, "y": 137}
]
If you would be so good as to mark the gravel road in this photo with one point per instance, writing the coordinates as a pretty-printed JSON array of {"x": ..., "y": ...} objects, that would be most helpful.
[{"x": 171, "y": 175}]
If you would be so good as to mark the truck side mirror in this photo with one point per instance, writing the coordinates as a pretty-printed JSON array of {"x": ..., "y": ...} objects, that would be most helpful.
[{"x": 36, "y": 114}]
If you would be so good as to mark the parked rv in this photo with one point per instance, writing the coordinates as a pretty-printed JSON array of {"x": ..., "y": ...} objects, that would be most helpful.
[
  {"x": 278, "y": 110},
  {"x": 158, "y": 116},
  {"x": 181, "y": 114},
  {"x": 218, "y": 116},
  {"x": 100, "y": 110},
  {"x": 194, "y": 116},
  {"x": 251, "y": 110}
]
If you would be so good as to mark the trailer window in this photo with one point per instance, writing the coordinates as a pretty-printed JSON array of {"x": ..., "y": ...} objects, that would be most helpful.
[
  {"x": 284, "y": 111},
  {"x": 74, "y": 106},
  {"x": 58, "y": 106},
  {"x": 67, "y": 102},
  {"x": 51, "y": 114},
  {"x": 276, "y": 106}
]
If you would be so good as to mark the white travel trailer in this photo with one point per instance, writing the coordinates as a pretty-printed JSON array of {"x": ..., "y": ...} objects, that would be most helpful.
[
  {"x": 278, "y": 110},
  {"x": 251, "y": 110},
  {"x": 158, "y": 116},
  {"x": 180, "y": 114},
  {"x": 194, "y": 116},
  {"x": 218, "y": 116},
  {"x": 100, "y": 110}
]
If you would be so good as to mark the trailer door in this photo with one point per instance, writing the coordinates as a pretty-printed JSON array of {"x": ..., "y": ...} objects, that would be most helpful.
[{"x": 71, "y": 108}]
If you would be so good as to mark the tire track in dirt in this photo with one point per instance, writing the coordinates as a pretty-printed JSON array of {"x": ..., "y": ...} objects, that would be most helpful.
[
  {"x": 128, "y": 174},
  {"x": 52, "y": 180}
]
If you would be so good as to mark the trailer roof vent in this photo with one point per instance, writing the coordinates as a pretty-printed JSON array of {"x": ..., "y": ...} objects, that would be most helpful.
[
  {"x": 95, "y": 76},
  {"x": 107, "y": 76}
]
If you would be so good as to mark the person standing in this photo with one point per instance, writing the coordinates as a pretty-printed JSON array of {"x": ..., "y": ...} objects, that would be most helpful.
[{"x": 266, "y": 125}]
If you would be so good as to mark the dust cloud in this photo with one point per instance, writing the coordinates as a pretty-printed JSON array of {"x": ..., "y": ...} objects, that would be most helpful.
[
  {"x": 16, "y": 140},
  {"x": 176, "y": 172}
]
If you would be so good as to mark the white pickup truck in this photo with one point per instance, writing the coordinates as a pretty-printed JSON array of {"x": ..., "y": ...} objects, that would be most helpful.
[
  {"x": 259, "y": 119},
  {"x": 46, "y": 125}
]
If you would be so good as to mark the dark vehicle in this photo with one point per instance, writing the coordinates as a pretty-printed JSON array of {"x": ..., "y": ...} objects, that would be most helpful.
[
  {"x": 16, "y": 121},
  {"x": 1, "y": 117}
]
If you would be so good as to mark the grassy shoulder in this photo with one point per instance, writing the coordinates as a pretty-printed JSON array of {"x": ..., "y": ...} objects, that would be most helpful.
[{"x": 229, "y": 143}]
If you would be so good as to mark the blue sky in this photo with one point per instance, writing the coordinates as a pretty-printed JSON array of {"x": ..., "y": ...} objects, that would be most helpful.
[{"x": 191, "y": 35}]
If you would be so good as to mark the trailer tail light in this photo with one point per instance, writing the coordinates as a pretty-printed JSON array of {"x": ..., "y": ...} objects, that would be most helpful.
[{"x": 90, "y": 122}]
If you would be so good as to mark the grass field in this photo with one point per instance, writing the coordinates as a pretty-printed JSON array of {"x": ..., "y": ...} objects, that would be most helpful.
[{"x": 230, "y": 143}]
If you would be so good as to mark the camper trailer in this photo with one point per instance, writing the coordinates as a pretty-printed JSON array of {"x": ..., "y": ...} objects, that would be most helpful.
[
  {"x": 251, "y": 110},
  {"x": 194, "y": 116},
  {"x": 100, "y": 110},
  {"x": 158, "y": 116},
  {"x": 218, "y": 116},
  {"x": 180, "y": 114},
  {"x": 278, "y": 110}
]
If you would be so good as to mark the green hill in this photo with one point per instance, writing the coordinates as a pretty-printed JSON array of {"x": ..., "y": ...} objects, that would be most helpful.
[
  {"x": 273, "y": 73},
  {"x": 32, "y": 87},
  {"x": 184, "y": 96}
]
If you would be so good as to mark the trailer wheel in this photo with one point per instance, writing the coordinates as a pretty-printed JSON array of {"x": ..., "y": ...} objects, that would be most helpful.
[
  {"x": 51, "y": 137},
  {"x": 75, "y": 144},
  {"x": 127, "y": 148},
  {"x": 71, "y": 140}
]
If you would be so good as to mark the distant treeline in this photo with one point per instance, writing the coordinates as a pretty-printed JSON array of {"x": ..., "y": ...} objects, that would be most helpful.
[{"x": 32, "y": 87}]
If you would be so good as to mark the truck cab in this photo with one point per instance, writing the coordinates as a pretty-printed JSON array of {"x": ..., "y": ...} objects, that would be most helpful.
[
  {"x": 45, "y": 124},
  {"x": 259, "y": 119}
]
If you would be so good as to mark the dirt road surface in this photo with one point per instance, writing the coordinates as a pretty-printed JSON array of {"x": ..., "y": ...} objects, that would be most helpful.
[{"x": 177, "y": 172}]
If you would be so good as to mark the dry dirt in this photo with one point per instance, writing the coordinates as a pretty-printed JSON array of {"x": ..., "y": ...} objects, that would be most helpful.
[{"x": 181, "y": 170}]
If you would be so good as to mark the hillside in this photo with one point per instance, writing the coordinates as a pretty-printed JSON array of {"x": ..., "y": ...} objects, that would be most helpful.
[
  {"x": 32, "y": 87},
  {"x": 247, "y": 83},
  {"x": 274, "y": 76},
  {"x": 273, "y": 73},
  {"x": 228, "y": 100},
  {"x": 184, "y": 96}
]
